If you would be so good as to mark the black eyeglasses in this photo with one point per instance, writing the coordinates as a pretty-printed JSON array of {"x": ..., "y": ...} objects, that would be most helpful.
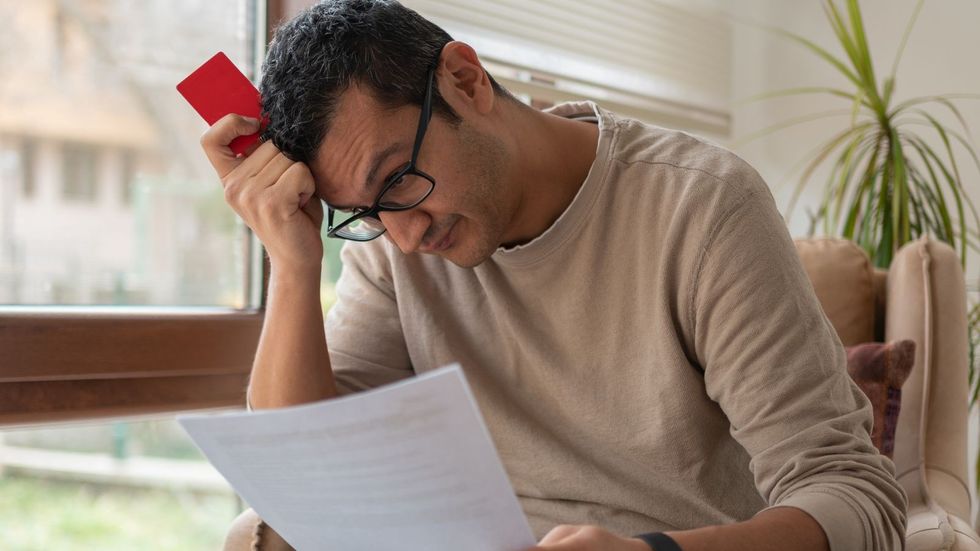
[{"x": 403, "y": 190}]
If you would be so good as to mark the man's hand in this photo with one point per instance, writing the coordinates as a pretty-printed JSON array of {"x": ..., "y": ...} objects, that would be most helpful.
[
  {"x": 275, "y": 196},
  {"x": 587, "y": 538}
]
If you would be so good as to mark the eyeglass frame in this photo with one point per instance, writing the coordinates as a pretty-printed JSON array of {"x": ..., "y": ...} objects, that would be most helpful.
[{"x": 408, "y": 168}]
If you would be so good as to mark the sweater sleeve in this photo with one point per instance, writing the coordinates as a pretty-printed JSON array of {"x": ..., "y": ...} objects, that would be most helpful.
[
  {"x": 364, "y": 333},
  {"x": 774, "y": 364}
]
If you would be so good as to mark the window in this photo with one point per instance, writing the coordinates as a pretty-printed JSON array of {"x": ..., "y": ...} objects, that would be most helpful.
[
  {"x": 110, "y": 125},
  {"x": 28, "y": 155},
  {"x": 128, "y": 289},
  {"x": 175, "y": 260},
  {"x": 78, "y": 168},
  {"x": 128, "y": 176}
]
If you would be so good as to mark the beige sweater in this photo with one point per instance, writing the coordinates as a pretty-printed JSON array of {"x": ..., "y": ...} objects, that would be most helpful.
[{"x": 655, "y": 360}]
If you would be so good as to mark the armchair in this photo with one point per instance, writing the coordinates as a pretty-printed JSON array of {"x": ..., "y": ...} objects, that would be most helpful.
[{"x": 921, "y": 297}]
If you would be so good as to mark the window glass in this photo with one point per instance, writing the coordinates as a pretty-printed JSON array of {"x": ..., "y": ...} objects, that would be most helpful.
[
  {"x": 105, "y": 194},
  {"x": 24, "y": 163},
  {"x": 107, "y": 199},
  {"x": 78, "y": 163}
]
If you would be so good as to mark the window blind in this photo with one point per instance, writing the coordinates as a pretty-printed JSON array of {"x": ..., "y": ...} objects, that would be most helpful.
[{"x": 661, "y": 61}]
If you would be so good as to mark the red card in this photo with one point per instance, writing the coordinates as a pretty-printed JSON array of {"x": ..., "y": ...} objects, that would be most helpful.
[{"x": 218, "y": 88}]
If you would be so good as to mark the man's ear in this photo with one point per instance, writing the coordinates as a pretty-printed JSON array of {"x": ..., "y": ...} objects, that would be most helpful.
[{"x": 463, "y": 82}]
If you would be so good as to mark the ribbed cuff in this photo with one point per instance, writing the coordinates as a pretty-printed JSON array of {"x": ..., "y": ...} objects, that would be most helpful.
[{"x": 842, "y": 520}]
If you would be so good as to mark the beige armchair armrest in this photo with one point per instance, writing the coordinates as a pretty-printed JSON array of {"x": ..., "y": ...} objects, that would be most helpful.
[{"x": 926, "y": 302}]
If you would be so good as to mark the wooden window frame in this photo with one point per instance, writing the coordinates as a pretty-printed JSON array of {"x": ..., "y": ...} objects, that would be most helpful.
[
  {"x": 65, "y": 364},
  {"x": 69, "y": 364}
]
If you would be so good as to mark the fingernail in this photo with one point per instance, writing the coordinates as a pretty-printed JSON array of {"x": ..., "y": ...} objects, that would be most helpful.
[{"x": 251, "y": 121}]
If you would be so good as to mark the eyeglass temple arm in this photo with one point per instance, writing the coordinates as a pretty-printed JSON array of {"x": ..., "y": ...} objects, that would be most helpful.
[{"x": 424, "y": 117}]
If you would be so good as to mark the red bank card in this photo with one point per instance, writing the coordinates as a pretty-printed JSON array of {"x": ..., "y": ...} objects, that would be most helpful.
[{"x": 218, "y": 88}]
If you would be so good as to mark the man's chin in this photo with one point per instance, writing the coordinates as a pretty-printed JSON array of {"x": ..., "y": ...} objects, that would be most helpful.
[
  {"x": 468, "y": 256},
  {"x": 464, "y": 260},
  {"x": 469, "y": 247}
]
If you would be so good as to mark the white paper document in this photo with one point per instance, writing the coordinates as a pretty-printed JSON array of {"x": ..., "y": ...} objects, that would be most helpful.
[{"x": 407, "y": 467}]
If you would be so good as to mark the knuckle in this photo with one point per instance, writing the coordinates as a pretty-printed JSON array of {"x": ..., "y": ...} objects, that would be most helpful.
[
  {"x": 290, "y": 174},
  {"x": 231, "y": 193},
  {"x": 299, "y": 170},
  {"x": 232, "y": 186},
  {"x": 266, "y": 209},
  {"x": 210, "y": 138},
  {"x": 245, "y": 200}
]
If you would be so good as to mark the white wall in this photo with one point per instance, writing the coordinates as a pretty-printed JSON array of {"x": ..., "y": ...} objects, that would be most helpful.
[{"x": 941, "y": 58}]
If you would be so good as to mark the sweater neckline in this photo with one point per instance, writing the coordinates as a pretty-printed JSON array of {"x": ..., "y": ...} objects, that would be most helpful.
[{"x": 569, "y": 222}]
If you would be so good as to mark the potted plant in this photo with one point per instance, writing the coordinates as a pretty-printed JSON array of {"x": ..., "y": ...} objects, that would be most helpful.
[{"x": 887, "y": 185}]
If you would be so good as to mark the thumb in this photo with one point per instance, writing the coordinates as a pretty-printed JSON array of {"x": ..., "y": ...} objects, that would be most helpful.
[{"x": 216, "y": 139}]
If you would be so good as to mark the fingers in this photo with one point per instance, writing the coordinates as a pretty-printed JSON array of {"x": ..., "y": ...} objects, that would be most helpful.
[
  {"x": 559, "y": 533},
  {"x": 295, "y": 186},
  {"x": 582, "y": 538},
  {"x": 258, "y": 159},
  {"x": 283, "y": 186},
  {"x": 273, "y": 169},
  {"x": 290, "y": 193},
  {"x": 251, "y": 149},
  {"x": 216, "y": 139}
]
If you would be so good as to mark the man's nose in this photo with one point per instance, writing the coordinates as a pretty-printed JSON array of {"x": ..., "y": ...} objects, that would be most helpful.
[{"x": 406, "y": 227}]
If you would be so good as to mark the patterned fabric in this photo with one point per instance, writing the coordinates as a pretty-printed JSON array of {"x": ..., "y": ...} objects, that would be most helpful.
[{"x": 880, "y": 369}]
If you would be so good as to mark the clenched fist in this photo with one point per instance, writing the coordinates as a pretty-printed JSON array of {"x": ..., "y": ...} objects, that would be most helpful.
[{"x": 274, "y": 195}]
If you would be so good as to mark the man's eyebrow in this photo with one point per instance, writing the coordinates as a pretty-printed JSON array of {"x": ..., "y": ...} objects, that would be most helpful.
[{"x": 379, "y": 159}]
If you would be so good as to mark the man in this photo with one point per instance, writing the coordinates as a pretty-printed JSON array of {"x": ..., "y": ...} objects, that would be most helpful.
[{"x": 624, "y": 299}]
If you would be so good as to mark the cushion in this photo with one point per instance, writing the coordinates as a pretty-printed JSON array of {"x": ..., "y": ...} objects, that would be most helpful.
[
  {"x": 843, "y": 280},
  {"x": 880, "y": 370},
  {"x": 929, "y": 529}
]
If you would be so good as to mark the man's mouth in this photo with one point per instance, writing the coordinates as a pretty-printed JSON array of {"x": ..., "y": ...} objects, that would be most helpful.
[{"x": 441, "y": 243}]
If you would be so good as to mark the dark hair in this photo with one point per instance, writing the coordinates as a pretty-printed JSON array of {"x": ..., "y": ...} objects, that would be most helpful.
[{"x": 320, "y": 53}]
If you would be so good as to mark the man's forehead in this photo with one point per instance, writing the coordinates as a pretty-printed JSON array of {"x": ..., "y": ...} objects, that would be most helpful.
[{"x": 360, "y": 131}]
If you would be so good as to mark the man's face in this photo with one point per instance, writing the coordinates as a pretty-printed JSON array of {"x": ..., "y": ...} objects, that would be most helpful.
[{"x": 465, "y": 216}]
